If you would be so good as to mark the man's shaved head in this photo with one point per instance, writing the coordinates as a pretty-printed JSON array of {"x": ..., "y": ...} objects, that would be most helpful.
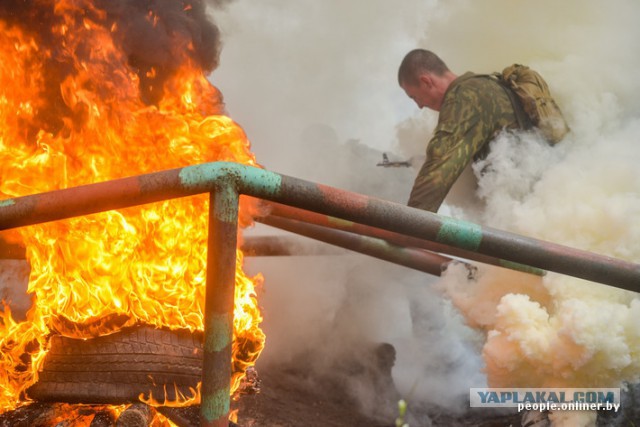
[{"x": 417, "y": 62}]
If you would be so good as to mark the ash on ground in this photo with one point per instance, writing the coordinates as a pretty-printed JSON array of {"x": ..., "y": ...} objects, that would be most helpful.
[{"x": 294, "y": 394}]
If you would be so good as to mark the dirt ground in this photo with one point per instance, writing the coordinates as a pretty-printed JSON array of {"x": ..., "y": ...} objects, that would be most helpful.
[{"x": 290, "y": 397}]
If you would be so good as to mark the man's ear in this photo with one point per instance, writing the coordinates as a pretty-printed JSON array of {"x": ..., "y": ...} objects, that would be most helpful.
[{"x": 427, "y": 79}]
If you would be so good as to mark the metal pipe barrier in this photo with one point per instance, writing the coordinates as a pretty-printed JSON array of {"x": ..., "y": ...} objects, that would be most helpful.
[
  {"x": 225, "y": 181},
  {"x": 291, "y": 212},
  {"x": 417, "y": 259},
  {"x": 281, "y": 245}
]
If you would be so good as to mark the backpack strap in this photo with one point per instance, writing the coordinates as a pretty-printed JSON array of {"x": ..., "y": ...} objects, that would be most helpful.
[{"x": 521, "y": 117}]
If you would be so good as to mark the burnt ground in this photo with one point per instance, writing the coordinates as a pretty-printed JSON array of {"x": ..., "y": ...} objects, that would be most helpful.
[
  {"x": 287, "y": 399},
  {"x": 290, "y": 397}
]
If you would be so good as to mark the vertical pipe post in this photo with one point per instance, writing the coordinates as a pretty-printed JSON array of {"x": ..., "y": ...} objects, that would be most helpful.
[{"x": 218, "y": 316}]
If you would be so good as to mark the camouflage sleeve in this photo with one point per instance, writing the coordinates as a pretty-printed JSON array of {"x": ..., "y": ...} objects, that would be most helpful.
[{"x": 461, "y": 132}]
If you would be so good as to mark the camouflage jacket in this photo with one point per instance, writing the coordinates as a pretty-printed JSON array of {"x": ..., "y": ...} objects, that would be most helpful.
[{"x": 475, "y": 108}]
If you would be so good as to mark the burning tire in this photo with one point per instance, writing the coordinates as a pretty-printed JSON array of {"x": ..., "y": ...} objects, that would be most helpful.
[{"x": 118, "y": 368}]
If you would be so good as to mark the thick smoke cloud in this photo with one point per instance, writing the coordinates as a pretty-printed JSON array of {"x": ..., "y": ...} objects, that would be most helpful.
[
  {"x": 584, "y": 193},
  {"x": 288, "y": 66},
  {"x": 162, "y": 35},
  {"x": 314, "y": 85},
  {"x": 335, "y": 64}
]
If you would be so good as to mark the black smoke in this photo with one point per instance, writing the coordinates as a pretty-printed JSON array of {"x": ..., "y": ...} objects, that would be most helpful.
[
  {"x": 178, "y": 31},
  {"x": 158, "y": 37}
]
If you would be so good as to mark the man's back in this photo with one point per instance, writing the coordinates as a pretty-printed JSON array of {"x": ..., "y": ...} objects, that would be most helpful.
[{"x": 475, "y": 108}]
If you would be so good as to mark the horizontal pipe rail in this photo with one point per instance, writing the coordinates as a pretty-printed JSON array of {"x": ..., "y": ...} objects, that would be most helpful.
[
  {"x": 226, "y": 181},
  {"x": 417, "y": 259},
  {"x": 323, "y": 199},
  {"x": 291, "y": 212},
  {"x": 276, "y": 246}
]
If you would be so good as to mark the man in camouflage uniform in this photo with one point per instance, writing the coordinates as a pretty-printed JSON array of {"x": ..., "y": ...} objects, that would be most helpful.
[{"x": 473, "y": 110}]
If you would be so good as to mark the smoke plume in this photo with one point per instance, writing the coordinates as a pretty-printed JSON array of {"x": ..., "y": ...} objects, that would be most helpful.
[
  {"x": 314, "y": 85},
  {"x": 584, "y": 193},
  {"x": 157, "y": 37},
  {"x": 292, "y": 65}
]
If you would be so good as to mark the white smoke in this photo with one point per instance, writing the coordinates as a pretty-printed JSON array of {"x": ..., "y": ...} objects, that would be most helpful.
[
  {"x": 314, "y": 85},
  {"x": 289, "y": 68},
  {"x": 584, "y": 193},
  {"x": 288, "y": 64}
]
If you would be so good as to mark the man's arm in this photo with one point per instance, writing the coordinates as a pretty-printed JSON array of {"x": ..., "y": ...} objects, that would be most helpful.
[
  {"x": 439, "y": 172},
  {"x": 461, "y": 132}
]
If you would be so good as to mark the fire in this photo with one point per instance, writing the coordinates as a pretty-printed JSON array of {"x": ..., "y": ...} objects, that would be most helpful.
[{"x": 76, "y": 108}]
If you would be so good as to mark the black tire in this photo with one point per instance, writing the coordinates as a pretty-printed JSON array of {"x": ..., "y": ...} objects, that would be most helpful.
[{"x": 118, "y": 368}]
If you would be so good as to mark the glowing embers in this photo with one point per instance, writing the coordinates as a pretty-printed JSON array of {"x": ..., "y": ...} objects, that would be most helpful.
[{"x": 45, "y": 414}]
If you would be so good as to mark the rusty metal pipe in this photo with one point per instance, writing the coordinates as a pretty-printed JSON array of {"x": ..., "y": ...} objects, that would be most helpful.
[
  {"x": 219, "y": 304},
  {"x": 325, "y": 200},
  {"x": 229, "y": 179},
  {"x": 291, "y": 212},
  {"x": 416, "y": 259},
  {"x": 267, "y": 246},
  {"x": 457, "y": 233}
]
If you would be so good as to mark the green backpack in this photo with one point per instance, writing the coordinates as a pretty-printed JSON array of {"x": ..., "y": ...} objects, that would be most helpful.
[{"x": 536, "y": 100}]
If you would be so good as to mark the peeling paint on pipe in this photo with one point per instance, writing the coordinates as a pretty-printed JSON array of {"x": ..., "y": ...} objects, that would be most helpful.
[
  {"x": 219, "y": 304},
  {"x": 290, "y": 212},
  {"x": 225, "y": 181},
  {"x": 325, "y": 200},
  {"x": 416, "y": 259}
]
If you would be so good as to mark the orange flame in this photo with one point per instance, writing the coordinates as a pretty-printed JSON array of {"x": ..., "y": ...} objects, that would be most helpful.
[{"x": 96, "y": 274}]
